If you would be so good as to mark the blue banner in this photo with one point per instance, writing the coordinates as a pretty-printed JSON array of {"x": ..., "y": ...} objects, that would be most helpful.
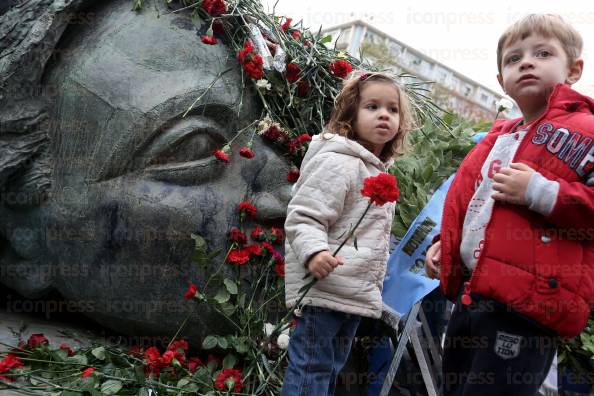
[{"x": 405, "y": 282}]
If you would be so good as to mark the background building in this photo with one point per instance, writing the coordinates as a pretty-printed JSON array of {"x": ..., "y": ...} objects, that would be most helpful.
[{"x": 450, "y": 89}]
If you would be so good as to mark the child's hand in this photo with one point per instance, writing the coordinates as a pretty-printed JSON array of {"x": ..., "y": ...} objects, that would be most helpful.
[
  {"x": 511, "y": 183},
  {"x": 322, "y": 263},
  {"x": 432, "y": 260}
]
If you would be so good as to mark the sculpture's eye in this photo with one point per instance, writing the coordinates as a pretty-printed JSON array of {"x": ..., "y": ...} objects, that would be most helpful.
[{"x": 182, "y": 152}]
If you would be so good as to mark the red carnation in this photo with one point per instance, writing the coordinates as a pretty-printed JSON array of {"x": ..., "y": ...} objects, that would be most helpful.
[
  {"x": 302, "y": 88},
  {"x": 254, "y": 249},
  {"x": 218, "y": 28},
  {"x": 191, "y": 292},
  {"x": 286, "y": 25},
  {"x": 210, "y": 40},
  {"x": 304, "y": 137},
  {"x": 238, "y": 256},
  {"x": 9, "y": 362},
  {"x": 274, "y": 133},
  {"x": 194, "y": 363},
  {"x": 293, "y": 72},
  {"x": 248, "y": 47},
  {"x": 306, "y": 43},
  {"x": 381, "y": 188},
  {"x": 87, "y": 372},
  {"x": 246, "y": 208},
  {"x": 37, "y": 339},
  {"x": 269, "y": 247},
  {"x": 229, "y": 379},
  {"x": 168, "y": 357},
  {"x": 340, "y": 68},
  {"x": 278, "y": 234},
  {"x": 257, "y": 233},
  {"x": 246, "y": 153},
  {"x": 296, "y": 34},
  {"x": 136, "y": 351},
  {"x": 221, "y": 155},
  {"x": 67, "y": 348},
  {"x": 235, "y": 235},
  {"x": 178, "y": 344},
  {"x": 279, "y": 268},
  {"x": 254, "y": 68},
  {"x": 214, "y": 7},
  {"x": 293, "y": 176}
]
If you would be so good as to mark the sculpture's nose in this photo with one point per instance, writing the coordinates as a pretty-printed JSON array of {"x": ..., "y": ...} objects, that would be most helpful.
[{"x": 272, "y": 200}]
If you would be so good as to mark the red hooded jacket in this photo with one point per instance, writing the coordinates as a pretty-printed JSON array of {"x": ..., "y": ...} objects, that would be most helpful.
[{"x": 540, "y": 266}]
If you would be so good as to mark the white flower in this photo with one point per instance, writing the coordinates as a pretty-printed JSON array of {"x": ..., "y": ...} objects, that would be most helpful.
[
  {"x": 286, "y": 330},
  {"x": 268, "y": 329},
  {"x": 504, "y": 104},
  {"x": 263, "y": 84},
  {"x": 283, "y": 341}
]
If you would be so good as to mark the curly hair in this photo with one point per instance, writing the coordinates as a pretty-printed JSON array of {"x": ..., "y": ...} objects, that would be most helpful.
[{"x": 344, "y": 114}]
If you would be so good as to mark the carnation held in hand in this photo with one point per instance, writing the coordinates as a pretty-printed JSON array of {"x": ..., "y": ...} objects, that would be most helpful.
[{"x": 381, "y": 189}]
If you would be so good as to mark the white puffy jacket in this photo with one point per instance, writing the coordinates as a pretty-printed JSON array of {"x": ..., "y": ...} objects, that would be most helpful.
[{"x": 326, "y": 203}]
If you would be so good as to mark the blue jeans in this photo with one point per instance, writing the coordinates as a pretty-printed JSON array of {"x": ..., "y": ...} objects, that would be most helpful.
[{"x": 318, "y": 350}]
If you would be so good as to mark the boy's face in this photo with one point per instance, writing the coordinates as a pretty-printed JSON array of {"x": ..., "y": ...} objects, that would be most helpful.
[{"x": 532, "y": 67}]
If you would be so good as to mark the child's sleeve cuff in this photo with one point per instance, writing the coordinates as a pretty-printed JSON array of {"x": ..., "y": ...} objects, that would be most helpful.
[{"x": 541, "y": 194}]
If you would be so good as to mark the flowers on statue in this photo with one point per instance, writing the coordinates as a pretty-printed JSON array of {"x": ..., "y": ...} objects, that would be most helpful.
[
  {"x": 274, "y": 133},
  {"x": 268, "y": 328},
  {"x": 238, "y": 256},
  {"x": 223, "y": 154},
  {"x": 263, "y": 84},
  {"x": 279, "y": 268},
  {"x": 66, "y": 347},
  {"x": 87, "y": 372},
  {"x": 246, "y": 152},
  {"x": 37, "y": 339},
  {"x": 178, "y": 345},
  {"x": 340, "y": 68},
  {"x": 286, "y": 25},
  {"x": 381, "y": 188},
  {"x": 283, "y": 341},
  {"x": 210, "y": 40},
  {"x": 278, "y": 234},
  {"x": 191, "y": 292},
  {"x": 258, "y": 234},
  {"x": 293, "y": 175},
  {"x": 302, "y": 88},
  {"x": 251, "y": 61},
  {"x": 194, "y": 363},
  {"x": 296, "y": 34},
  {"x": 229, "y": 380},
  {"x": 293, "y": 72},
  {"x": 254, "y": 249},
  {"x": 297, "y": 145},
  {"x": 235, "y": 235},
  {"x": 9, "y": 362},
  {"x": 246, "y": 209},
  {"x": 214, "y": 7}
]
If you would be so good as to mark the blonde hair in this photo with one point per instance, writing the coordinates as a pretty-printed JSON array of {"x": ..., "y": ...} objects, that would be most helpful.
[
  {"x": 546, "y": 25},
  {"x": 346, "y": 104}
]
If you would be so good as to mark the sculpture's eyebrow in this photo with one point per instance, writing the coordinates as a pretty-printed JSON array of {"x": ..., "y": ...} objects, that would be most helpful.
[{"x": 220, "y": 106}]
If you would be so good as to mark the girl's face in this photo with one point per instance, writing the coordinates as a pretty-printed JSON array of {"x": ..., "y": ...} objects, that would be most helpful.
[{"x": 378, "y": 115}]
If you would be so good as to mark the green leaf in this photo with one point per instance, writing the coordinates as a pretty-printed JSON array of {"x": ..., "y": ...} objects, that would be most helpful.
[
  {"x": 111, "y": 387},
  {"x": 71, "y": 393},
  {"x": 99, "y": 353},
  {"x": 222, "y": 296},
  {"x": 223, "y": 343},
  {"x": 231, "y": 286},
  {"x": 228, "y": 309},
  {"x": 183, "y": 382},
  {"x": 202, "y": 375},
  {"x": 241, "y": 300},
  {"x": 240, "y": 345},
  {"x": 229, "y": 361},
  {"x": 209, "y": 342},
  {"x": 142, "y": 392},
  {"x": 326, "y": 39},
  {"x": 79, "y": 359}
]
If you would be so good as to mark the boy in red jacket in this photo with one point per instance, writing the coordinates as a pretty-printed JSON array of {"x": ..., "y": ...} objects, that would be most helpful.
[{"x": 516, "y": 248}]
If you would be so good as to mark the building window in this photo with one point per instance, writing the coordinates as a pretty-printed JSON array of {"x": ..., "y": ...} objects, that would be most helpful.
[
  {"x": 467, "y": 90},
  {"x": 484, "y": 98}
]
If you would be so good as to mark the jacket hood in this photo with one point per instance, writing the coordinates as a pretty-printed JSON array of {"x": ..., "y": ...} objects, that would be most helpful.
[{"x": 330, "y": 142}]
